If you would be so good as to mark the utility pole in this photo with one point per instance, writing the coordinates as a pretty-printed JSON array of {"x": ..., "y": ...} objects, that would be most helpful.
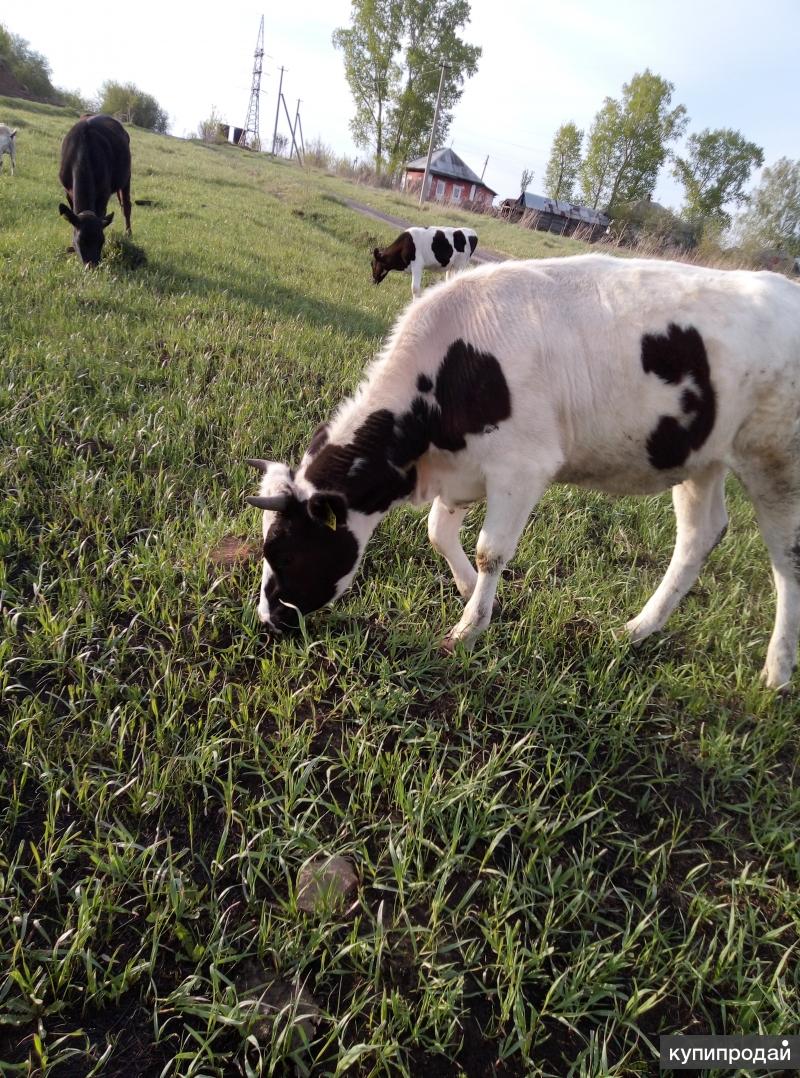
[
  {"x": 485, "y": 163},
  {"x": 277, "y": 111},
  {"x": 295, "y": 148},
  {"x": 252, "y": 127},
  {"x": 298, "y": 127},
  {"x": 433, "y": 134}
]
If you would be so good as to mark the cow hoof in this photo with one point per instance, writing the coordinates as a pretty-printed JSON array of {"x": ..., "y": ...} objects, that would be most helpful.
[
  {"x": 638, "y": 631},
  {"x": 447, "y": 645},
  {"x": 778, "y": 681}
]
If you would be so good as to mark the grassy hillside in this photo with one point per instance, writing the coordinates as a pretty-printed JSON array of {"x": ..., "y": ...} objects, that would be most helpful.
[{"x": 563, "y": 847}]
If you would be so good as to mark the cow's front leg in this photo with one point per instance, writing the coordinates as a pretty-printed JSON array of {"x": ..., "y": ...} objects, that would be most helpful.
[
  {"x": 508, "y": 507},
  {"x": 416, "y": 282}
]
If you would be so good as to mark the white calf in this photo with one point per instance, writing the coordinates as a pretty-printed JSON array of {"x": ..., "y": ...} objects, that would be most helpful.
[
  {"x": 8, "y": 145},
  {"x": 621, "y": 375}
]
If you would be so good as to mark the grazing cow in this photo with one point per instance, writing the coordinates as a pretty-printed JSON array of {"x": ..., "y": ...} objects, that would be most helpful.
[
  {"x": 626, "y": 376},
  {"x": 8, "y": 146},
  {"x": 416, "y": 249},
  {"x": 95, "y": 162}
]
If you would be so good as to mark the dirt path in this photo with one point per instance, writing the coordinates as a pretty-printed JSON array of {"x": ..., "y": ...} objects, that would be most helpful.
[{"x": 483, "y": 254}]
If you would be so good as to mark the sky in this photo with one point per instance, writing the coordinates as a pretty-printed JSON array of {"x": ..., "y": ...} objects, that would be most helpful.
[{"x": 733, "y": 64}]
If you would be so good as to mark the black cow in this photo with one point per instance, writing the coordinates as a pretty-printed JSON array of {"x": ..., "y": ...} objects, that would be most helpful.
[{"x": 95, "y": 162}]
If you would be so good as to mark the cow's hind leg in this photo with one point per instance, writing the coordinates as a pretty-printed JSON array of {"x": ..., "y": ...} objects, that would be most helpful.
[
  {"x": 444, "y": 527},
  {"x": 701, "y": 520},
  {"x": 776, "y": 498},
  {"x": 124, "y": 196}
]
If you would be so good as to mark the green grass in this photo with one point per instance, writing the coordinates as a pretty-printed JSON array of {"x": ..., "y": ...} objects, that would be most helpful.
[{"x": 564, "y": 847}]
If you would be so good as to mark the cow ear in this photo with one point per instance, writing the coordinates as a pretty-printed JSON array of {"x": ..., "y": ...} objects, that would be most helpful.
[
  {"x": 107, "y": 220},
  {"x": 65, "y": 211},
  {"x": 328, "y": 509},
  {"x": 376, "y": 253}
]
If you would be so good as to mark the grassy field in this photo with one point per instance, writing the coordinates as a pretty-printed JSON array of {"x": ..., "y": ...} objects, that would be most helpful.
[{"x": 563, "y": 847}]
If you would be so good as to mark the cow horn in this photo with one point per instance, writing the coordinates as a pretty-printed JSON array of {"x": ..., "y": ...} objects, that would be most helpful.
[
  {"x": 256, "y": 462},
  {"x": 278, "y": 503}
]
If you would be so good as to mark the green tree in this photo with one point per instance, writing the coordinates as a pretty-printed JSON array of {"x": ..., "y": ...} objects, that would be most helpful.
[
  {"x": 32, "y": 71},
  {"x": 561, "y": 174},
  {"x": 628, "y": 142},
  {"x": 28, "y": 67},
  {"x": 714, "y": 172},
  {"x": 772, "y": 218},
  {"x": 127, "y": 102},
  {"x": 369, "y": 45},
  {"x": 392, "y": 54}
]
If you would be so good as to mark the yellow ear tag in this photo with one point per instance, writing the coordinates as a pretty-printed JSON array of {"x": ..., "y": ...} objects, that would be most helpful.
[{"x": 330, "y": 519}]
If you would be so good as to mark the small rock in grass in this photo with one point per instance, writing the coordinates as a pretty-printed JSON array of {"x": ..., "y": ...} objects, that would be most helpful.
[
  {"x": 232, "y": 550},
  {"x": 276, "y": 1005},
  {"x": 325, "y": 883}
]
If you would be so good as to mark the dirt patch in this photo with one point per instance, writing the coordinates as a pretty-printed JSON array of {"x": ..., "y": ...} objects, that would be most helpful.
[{"x": 233, "y": 550}]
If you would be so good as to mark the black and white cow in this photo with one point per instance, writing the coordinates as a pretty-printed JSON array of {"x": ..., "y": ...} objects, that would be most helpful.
[
  {"x": 416, "y": 249},
  {"x": 627, "y": 376},
  {"x": 8, "y": 145},
  {"x": 95, "y": 162}
]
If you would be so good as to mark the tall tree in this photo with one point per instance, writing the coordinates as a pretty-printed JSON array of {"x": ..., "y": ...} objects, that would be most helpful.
[
  {"x": 369, "y": 46},
  {"x": 628, "y": 141},
  {"x": 714, "y": 172},
  {"x": 773, "y": 216},
  {"x": 393, "y": 51},
  {"x": 561, "y": 174},
  {"x": 525, "y": 180}
]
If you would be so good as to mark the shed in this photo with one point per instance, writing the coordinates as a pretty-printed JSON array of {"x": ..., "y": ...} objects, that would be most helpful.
[
  {"x": 553, "y": 215},
  {"x": 451, "y": 180}
]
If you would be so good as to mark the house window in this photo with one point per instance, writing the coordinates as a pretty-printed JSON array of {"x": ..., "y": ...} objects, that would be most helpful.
[
  {"x": 472, "y": 193},
  {"x": 440, "y": 186},
  {"x": 457, "y": 193}
]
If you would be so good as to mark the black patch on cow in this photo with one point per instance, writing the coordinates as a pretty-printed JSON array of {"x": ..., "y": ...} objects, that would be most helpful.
[
  {"x": 442, "y": 248},
  {"x": 424, "y": 384},
  {"x": 473, "y": 243},
  {"x": 674, "y": 356},
  {"x": 399, "y": 255},
  {"x": 472, "y": 393},
  {"x": 308, "y": 559},
  {"x": 409, "y": 251},
  {"x": 318, "y": 440},
  {"x": 365, "y": 470},
  {"x": 377, "y": 467},
  {"x": 459, "y": 240}
]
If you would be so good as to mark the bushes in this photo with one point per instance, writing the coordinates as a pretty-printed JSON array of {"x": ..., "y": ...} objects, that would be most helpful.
[{"x": 132, "y": 105}]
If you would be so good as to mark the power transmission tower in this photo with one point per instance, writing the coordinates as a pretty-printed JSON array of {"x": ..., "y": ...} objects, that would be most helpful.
[{"x": 251, "y": 133}]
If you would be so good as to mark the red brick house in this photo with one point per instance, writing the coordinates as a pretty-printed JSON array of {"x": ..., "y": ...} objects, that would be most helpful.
[{"x": 451, "y": 180}]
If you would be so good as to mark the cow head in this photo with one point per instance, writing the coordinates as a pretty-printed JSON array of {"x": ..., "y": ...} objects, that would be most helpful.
[
  {"x": 379, "y": 267},
  {"x": 87, "y": 235},
  {"x": 312, "y": 545}
]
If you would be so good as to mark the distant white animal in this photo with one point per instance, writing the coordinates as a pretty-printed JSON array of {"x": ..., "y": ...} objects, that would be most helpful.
[
  {"x": 8, "y": 145},
  {"x": 448, "y": 249},
  {"x": 622, "y": 375}
]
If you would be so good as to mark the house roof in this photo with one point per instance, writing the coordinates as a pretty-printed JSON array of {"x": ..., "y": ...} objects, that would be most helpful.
[
  {"x": 445, "y": 162},
  {"x": 564, "y": 209}
]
